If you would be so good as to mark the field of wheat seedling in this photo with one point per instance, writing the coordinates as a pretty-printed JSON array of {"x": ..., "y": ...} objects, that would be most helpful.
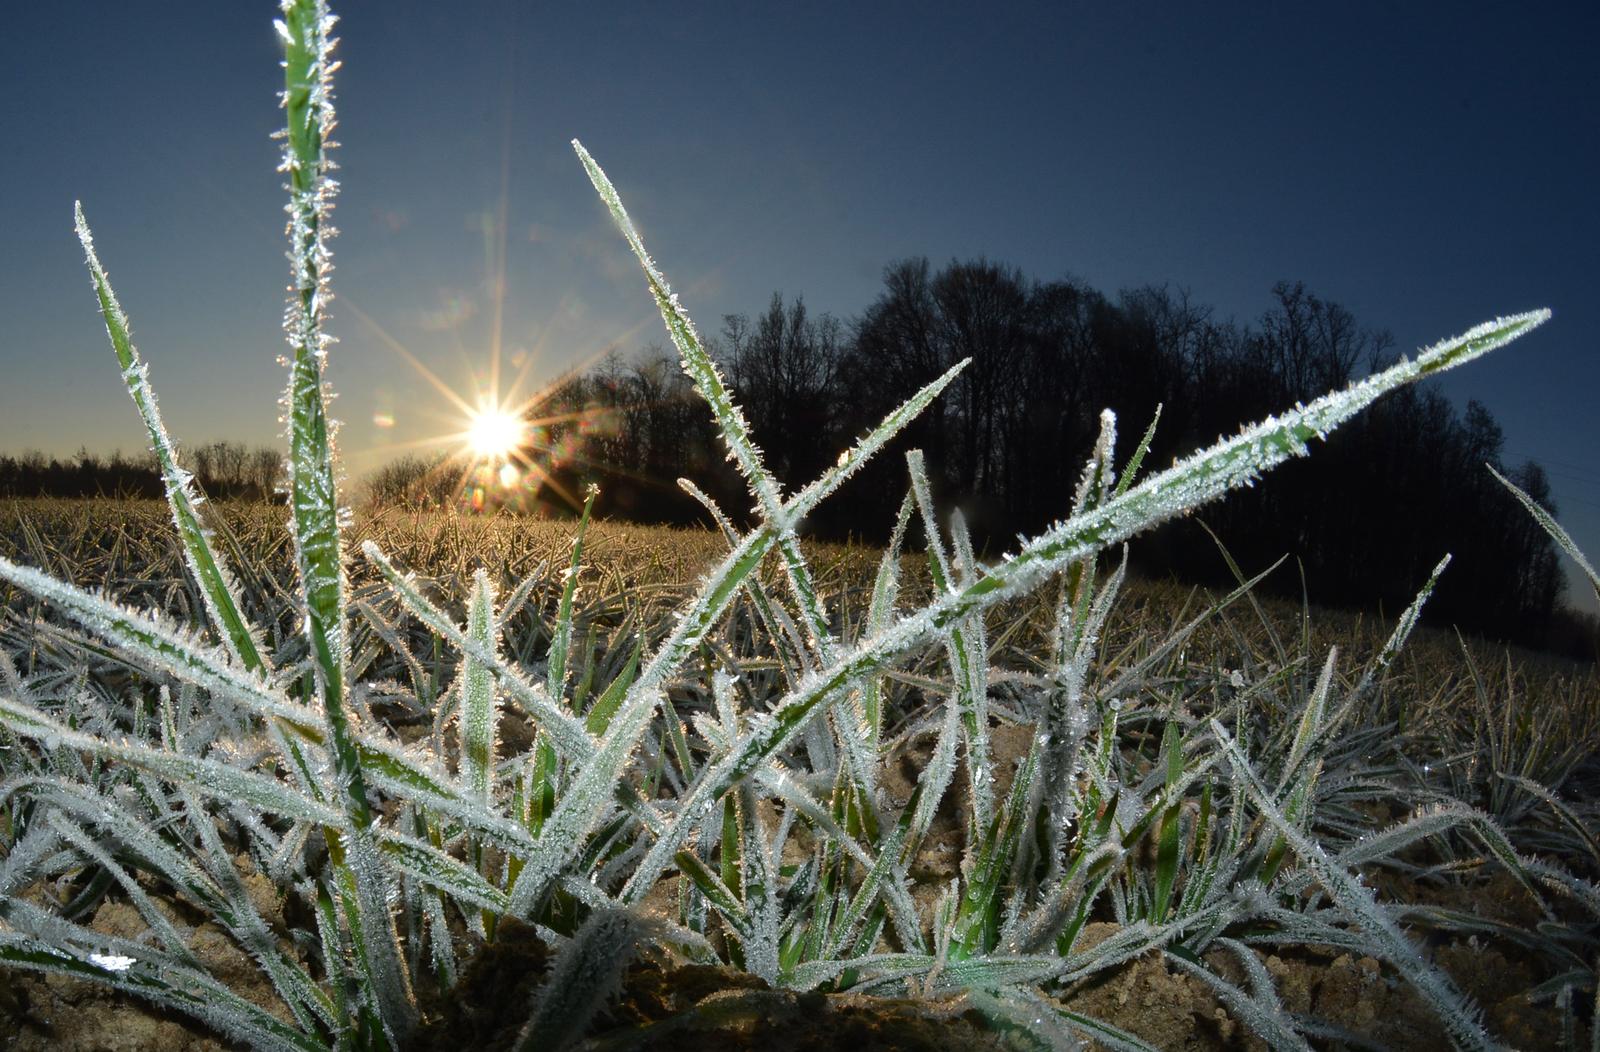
[{"x": 410, "y": 781}]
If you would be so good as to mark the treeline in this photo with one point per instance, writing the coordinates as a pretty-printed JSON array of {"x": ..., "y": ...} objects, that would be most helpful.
[
  {"x": 226, "y": 471},
  {"x": 1367, "y": 515}
]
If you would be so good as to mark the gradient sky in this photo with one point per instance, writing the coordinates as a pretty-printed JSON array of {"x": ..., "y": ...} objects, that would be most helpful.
[{"x": 1425, "y": 165}]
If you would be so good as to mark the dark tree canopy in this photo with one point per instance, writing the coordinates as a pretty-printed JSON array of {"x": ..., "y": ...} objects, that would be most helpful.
[{"x": 1367, "y": 516}]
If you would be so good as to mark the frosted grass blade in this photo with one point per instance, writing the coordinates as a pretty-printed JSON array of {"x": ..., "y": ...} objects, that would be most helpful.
[
  {"x": 697, "y": 363},
  {"x": 721, "y": 897},
  {"x": 731, "y": 424},
  {"x": 586, "y": 974},
  {"x": 1553, "y": 528},
  {"x": 967, "y": 663},
  {"x": 156, "y": 645},
  {"x": 566, "y": 731},
  {"x": 1110, "y": 1037},
  {"x": 1397, "y": 639},
  {"x": 155, "y": 921},
  {"x": 478, "y": 709},
  {"x": 1020, "y": 1022},
  {"x": 561, "y": 640},
  {"x": 313, "y": 488},
  {"x": 151, "y": 644},
  {"x": 1266, "y": 1020},
  {"x": 977, "y": 920},
  {"x": 210, "y": 776},
  {"x": 206, "y": 567},
  {"x": 1131, "y": 469},
  {"x": 188, "y": 992},
  {"x": 1311, "y": 720},
  {"x": 438, "y": 870},
  {"x": 1460, "y": 1015},
  {"x": 885, "y": 592},
  {"x": 305, "y": 31},
  {"x": 1562, "y": 811},
  {"x": 246, "y": 925}
]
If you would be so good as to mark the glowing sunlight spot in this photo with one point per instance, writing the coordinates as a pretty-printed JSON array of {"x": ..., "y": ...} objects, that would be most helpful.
[{"x": 495, "y": 433}]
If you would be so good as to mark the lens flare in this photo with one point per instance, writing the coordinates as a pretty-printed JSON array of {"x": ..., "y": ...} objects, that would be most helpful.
[{"x": 495, "y": 434}]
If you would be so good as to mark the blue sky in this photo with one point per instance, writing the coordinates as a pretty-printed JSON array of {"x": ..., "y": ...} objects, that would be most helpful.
[{"x": 1427, "y": 166}]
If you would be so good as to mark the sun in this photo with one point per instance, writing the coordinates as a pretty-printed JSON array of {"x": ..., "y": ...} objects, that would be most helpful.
[{"x": 494, "y": 434}]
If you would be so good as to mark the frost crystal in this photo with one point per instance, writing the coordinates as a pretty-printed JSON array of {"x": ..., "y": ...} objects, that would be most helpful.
[{"x": 112, "y": 962}]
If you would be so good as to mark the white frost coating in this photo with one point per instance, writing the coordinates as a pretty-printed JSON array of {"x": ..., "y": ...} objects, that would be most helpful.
[
  {"x": 112, "y": 962},
  {"x": 587, "y": 973},
  {"x": 587, "y": 801},
  {"x": 760, "y": 890},
  {"x": 567, "y": 733},
  {"x": 218, "y": 589},
  {"x": 214, "y": 778},
  {"x": 1096, "y": 480},
  {"x": 1459, "y": 1014},
  {"x": 479, "y": 711},
  {"x": 158, "y": 644},
  {"x": 1553, "y": 528},
  {"x": 697, "y": 363}
]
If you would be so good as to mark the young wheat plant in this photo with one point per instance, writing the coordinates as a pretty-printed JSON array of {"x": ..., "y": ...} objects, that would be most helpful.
[{"x": 715, "y": 793}]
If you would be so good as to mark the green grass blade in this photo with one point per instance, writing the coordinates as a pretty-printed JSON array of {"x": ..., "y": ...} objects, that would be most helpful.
[
  {"x": 599, "y": 717},
  {"x": 561, "y": 639},
  {"x": 305, "y": 31},
  {"x": 169, "y": 986},
  {"x": 214, "y": 778},
  {"x": 1460, "y": 1015},
  {"x": 566, "y": 732},
  {"x": 1553, "y": 528},
  {"x": 478, "y": 709},
  {"x": 977, "y": 922},
  {"x": 207, "y": 568},
  {"x": 1170, "y": 834}
]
